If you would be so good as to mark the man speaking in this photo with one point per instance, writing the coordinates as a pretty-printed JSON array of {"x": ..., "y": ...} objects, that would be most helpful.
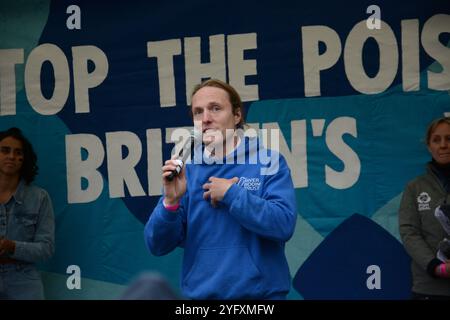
[{"x": 230, "y": 213}]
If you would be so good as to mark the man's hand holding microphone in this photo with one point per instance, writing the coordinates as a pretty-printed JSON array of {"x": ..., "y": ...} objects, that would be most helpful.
[
  {"x": 175, "y": 187},
  {"x": 174, "y": 178}
]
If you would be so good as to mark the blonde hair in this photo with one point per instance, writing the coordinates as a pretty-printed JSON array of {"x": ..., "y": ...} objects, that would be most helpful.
[{"x": 433, "y": 125}]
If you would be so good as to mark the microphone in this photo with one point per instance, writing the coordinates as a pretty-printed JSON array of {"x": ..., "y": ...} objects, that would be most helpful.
[{"x": 184, "y": 153}]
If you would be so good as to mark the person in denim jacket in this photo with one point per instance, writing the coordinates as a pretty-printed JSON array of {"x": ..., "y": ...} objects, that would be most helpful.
[{"x": 26, "y": 219}]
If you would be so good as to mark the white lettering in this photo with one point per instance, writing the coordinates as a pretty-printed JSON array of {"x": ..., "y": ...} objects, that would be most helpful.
[
  {"x": 78, "y": 145},
  {"x": 164, "y": 51},
  {"x": 8, "y": 59},
  {"x": 121, "y": 170},
  {"x": 84, "y": 80},
  {"x": 53, "y": 54}
]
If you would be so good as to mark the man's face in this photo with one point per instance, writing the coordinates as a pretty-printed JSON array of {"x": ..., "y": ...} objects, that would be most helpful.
[
  {"x": 11, "y": 156},
  {"x": 211, "y": 108},
  {"x": 439, "y": 144}
]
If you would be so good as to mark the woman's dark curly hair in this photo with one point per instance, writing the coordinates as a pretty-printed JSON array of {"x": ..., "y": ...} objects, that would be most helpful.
[{"x": 29, "y": 167}]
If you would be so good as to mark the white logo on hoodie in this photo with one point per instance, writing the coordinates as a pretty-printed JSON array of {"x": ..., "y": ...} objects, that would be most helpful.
[
  {"x": 423, "y": 201},
  {"x": 249, "y": 183}
]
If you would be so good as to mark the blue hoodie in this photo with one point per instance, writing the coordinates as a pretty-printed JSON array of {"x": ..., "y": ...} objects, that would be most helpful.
[{"x": 234, "y": 250}]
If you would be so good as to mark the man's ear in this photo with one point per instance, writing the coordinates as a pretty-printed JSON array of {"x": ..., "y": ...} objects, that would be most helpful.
[{"x": 237, "y": 116}]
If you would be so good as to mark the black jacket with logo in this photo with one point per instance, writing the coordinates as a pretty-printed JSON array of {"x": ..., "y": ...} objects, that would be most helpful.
[{"x": 421, "y": 231}]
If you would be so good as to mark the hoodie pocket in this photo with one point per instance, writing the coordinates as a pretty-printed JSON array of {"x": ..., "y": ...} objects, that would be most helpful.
[{"x": 223, "y": 273}]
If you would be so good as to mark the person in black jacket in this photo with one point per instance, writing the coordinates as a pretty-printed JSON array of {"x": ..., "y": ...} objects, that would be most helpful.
[{"x": 420, "y": 229}]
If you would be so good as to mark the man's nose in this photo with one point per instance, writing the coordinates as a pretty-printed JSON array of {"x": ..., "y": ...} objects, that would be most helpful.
[{"x": 206, "y": 116}]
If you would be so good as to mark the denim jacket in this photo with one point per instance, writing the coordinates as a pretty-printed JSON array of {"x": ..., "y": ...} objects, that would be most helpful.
[{"x": 28, "y": 220}]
